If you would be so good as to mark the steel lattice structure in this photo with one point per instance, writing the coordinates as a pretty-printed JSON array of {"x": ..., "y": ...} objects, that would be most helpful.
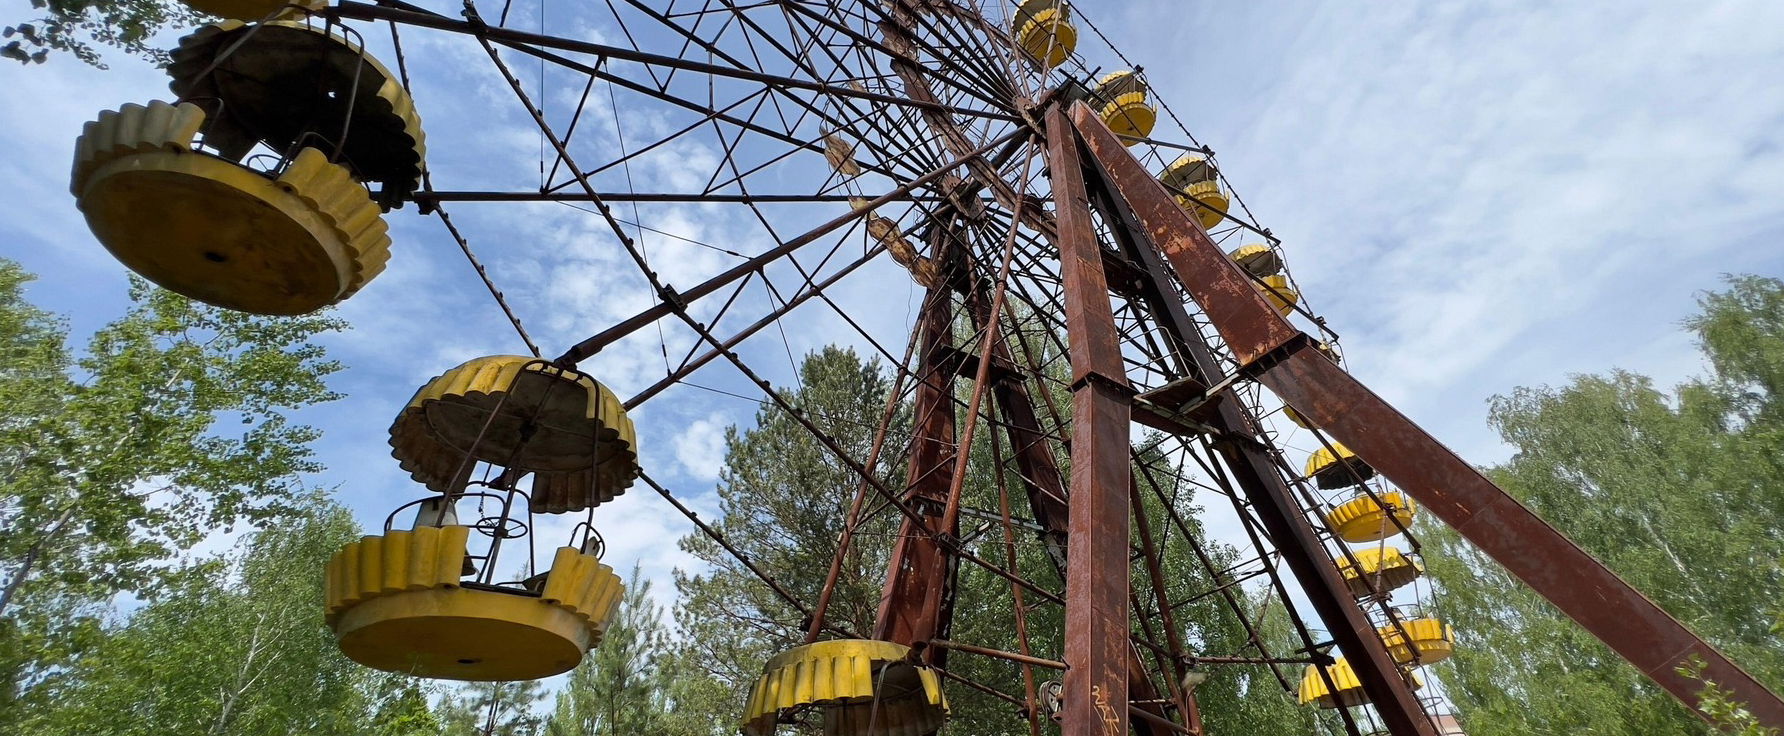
[{"x": 1070, "y": 295}]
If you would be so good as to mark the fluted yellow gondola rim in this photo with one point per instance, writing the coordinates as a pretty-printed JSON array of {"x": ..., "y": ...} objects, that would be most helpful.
[
  {"x": 584, "y": 446},
  {"x": 1432, "y": 640},
  {"x": 1130, "y": 117},
  {"x": 1349, "y": 688},
  {"x": 841, "y": 678},
  {"x": 1277, "y": 291},
  {"x": 1361, "y": 519},
  {"x": 1186, "y": 170},
  {"x": 389, "y": 101},
  {"x": 1206, "y": 201},
  {"x": 1118, "y": 84},
  {"x": 1385, "y": 567},
  {"x": 1029, "y": 9},
  {"x": 1048, "y": 36},
  {"x": 217, "y": 231},
  {"x": 1337, "y": 470},
  {"x": 396, "y": 603},
  {"x": 1258, "y": 259}
]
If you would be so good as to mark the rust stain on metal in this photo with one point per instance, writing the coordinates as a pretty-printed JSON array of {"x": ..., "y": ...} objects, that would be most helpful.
[
  {"x": 1096, "y": 606},
  {"x": 1250, "y": 326},
  {"x": 908, "y": 612}
]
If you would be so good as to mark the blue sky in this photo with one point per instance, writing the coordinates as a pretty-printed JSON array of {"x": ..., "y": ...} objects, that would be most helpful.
[{"x": 1478, "y": 196}]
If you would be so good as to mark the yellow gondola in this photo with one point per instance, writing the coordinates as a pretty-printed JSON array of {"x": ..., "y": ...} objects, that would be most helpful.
[
  {"x": 1124, "y": 106},
  {"x": 1349, "y": 690},
  {"x": 1258, "y": 259},
  {"x": 1378, "y": 569},
  {"x": 1432, "y": 640},
  {"x": 396, "y": 603},
  {"x": 1341, "y": 470},
  {"x": 1044, "y": 30},
  {"x": 215, "y": 230},
  {"x": 1186, "y": 170},
  {"x": 1277, "y": 291},
  {"x": 1196, "y": 184},
  {"x": 166, "y": 190},
  {"x": 525, "y": 414},
  {"x": 1361, "y": 519},
  {"x": 861, "y": 687},
  {"x": 1210, "y": 202},
  {"x": 292, "y": 82}
]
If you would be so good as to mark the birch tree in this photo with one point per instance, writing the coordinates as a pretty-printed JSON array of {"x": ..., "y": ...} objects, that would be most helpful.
[
  {"x": 172, "y": 424},
  {"x": 1678, "y": 491}
]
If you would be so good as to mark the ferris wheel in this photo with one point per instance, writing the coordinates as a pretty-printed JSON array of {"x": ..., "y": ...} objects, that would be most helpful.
[{"x": 1103, "y": 321}]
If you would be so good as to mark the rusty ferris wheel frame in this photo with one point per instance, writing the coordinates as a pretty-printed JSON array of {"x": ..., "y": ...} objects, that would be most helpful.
[{"x": 1112, "y": 297}]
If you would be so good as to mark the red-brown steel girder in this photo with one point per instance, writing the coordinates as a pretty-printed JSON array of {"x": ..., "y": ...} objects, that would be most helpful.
[
  {"x": 1255, "y": 473},
  {"x": 908, "y": 613},
  {"x": 1096, "y": 578},
  {"x": 1281, "y": 358}
]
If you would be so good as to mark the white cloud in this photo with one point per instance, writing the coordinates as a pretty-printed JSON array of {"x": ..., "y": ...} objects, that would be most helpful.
[{"x": 701, "y": 447}]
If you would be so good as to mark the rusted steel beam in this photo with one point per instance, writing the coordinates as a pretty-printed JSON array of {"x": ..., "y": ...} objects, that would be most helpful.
[
  {"x": 1516, "y": 538},
  {"x": 1249, "y": 326},
  {"x": 1184, "y": 406},
  {"x": 1045, "y": 487},
  {"x": 908, "y": 613},
  {"x": 1184, "y": 699},
  {"x": 1096, "y": 584},
  {"x": 1252, "y": 469},
  {"x": 1537, "y": 554},
  {"x": 362, "y": 11},
  {"x": 1043, "y": 484},
  {"x": 966, "y": 365},
  {"x": 675, "y": 300},
  {"x": 997, "y": 654}
]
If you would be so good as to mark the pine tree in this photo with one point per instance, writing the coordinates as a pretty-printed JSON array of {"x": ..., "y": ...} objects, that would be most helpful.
[
  {"x": 493, "y": 709},
  {"x": 622, "y": 686},
  {"x": 784, "y": 499}
]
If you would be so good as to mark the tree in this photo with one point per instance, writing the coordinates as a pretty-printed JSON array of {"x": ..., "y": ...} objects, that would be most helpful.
[
  {"x": 1679, "y": 493},
  {"x": 401, "y": 708},
  {"x": 79, "y": 27},
  {"x": 229, "y": 646},
  {"x": 625, "y": 685},
  {"x": 113, "y": 463},
  {"x": 492, "y": 709},
  {"x": 783, "y": 499}
]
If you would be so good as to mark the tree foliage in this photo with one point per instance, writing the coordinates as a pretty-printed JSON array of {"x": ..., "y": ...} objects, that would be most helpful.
[
  {"x": 630, "y": 683},
  {"x": 173, "y": 424},
  {"x": 1678, "y": 492},
  {"x": 81, "y": 27},
  {"x": 492, "y": 709},
  {"x": 784, "y": 499},
  {"x": 234, "y": 645}
]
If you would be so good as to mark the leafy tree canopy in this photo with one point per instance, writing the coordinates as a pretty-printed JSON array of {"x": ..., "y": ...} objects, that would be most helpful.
[
  {"x": 171, "y": 425},
  {"x": 1679, "y": 492},
  {"x": 81, "y": 27}
]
